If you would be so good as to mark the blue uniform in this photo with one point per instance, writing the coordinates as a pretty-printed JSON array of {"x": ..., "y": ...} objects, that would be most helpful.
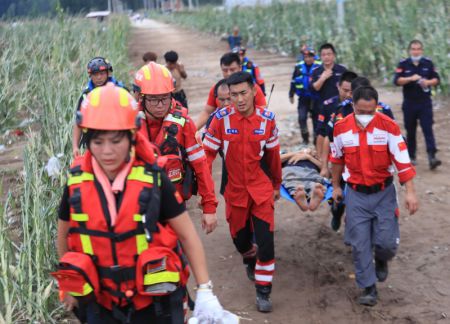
[
  {"x": 327, "y": 109},
  {"x": 300, "y": 85},
  {"x": 417, "y": 104}
]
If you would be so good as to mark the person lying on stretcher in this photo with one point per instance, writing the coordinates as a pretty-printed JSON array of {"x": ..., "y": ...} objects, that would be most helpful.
[{"x": 301, "y": 178}]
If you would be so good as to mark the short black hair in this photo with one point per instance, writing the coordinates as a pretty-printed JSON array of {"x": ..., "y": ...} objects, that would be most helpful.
[
  {"x": 219, "y": 84},
  {"x": 149, "y": 57},
  {"x": 360, "y": 82},
  {"x": 327, "y": 46},
  {"x": 240, "y": 77},
  {"x": 415, "y": 41},
  {"x": 366, "y": 93},
  {"x": 347, "y": 76},
  {"x": 171, "y": 57},
  {"x": 229, "y": 58}
]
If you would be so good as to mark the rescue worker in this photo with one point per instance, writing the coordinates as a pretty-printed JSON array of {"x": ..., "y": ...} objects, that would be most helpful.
[
  {"x": 229, "y": 64},
  {"x": 300, "y": 86},
  {"x": 366, "y": 144},
  {"x": 417, "y": 75},
  {"x": 247, "y": 134},
  {"x": 235, "y": 39},
  {"x": 100, "y": 72},
  {"x": 344, "y": 109},
  {"x": 120, "y": 220},
  {"x": 325, "y": 80},
  {"x": 329, "y": 107},
  {"x": 179, "y": 73},
  {"x": 168, "y": 125},
  {"x": 250, "y": 67}
]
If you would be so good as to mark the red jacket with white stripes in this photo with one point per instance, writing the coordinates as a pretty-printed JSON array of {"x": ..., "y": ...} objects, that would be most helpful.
[
  {"x": 244, "y": 142},
  {"x": 157, "y": 131},
  {"x": 371, "y": 154}
]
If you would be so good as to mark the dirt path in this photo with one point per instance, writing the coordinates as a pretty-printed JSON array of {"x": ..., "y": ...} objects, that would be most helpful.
[{"x": 313, "y": 281}]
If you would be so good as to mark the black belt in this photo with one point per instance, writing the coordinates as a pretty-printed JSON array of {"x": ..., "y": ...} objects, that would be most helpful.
[{"x": 371, "y": 189}]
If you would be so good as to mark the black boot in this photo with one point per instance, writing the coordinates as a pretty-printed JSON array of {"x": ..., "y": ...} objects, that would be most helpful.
[
  {"x": 369, "y": 296},
  {"x": 305, "y": 136},
  {"x": 250, "y": 265},
  {"x": 433, "y": 161},
  {"x": 263, "y": 302},
  {"x": 381, "y": 270},
  {"x": 337, "y": 210}
]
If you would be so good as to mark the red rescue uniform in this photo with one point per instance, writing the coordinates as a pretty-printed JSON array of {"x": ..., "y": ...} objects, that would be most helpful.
[
  {"x": 370, "y": 154},
  {"x": 156, "y": 132},
  {"x": 245, "y": 142}
]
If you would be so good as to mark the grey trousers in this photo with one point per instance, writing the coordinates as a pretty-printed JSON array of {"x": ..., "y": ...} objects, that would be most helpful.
[{"x": 371, "y": 226}]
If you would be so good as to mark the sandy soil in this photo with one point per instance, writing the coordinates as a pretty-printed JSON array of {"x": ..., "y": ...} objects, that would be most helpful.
[{"x": 314, "y": 281}]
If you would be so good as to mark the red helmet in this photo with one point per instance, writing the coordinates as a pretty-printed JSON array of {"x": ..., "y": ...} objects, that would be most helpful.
[
  {"x": 108, "y": 108},
  {"x": 154, "y": 79}
]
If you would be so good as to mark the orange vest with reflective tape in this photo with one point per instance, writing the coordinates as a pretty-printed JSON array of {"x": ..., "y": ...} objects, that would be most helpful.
[{"x": 114, "y": 250}]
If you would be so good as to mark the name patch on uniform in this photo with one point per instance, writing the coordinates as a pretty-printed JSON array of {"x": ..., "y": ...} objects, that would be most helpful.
[
  {"x": 258, "y": 131},
  {"x": 379, "y": 138},
  {"x": 232, "y": 131}
]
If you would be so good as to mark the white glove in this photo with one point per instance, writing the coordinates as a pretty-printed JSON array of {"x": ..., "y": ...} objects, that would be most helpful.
[
  {"x": 53, "y": 167},
  {"x": 209, "y": 311}
]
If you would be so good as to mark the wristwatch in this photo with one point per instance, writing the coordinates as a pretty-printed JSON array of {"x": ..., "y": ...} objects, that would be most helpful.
[{"x": 208, "y": 285}]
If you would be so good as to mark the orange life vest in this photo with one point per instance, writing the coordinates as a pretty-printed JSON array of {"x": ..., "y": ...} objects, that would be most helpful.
[
  {"x": 116, "y": 250},
  {"x": 169, "y": 141}
]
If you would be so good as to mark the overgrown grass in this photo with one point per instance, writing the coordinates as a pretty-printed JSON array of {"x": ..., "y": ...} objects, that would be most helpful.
[
  {"x": 42, "y": 72},
  {"x": 372, "y": 41}
]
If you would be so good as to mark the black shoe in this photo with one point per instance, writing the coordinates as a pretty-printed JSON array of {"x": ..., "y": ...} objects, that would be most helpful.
[
  {"x": 250, "y": 270},
  {"x": 263, "y": 302},
  {"x": 305, "y": 137},
  {"x": 369, "y": 296},
  {"x": 434, "y": 163},
  {"x": 413, "y": 161},
  {"x": 381, "y": 270},
  {"x": 337, "y": 210}
]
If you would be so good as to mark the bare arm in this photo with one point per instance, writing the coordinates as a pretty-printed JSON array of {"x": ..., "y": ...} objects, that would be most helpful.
[
  {"x": 336, "y": 172},
  {"x": 182, "y": 71},
  {"x": 203, "y": 116},
  {"x": 192, "y": 246},
  {"x": 324, "y": 156},
  {"x": 76, "y": 136},
  {"x": 405, "y": 80},
  {"x": 61, "y": 240}
]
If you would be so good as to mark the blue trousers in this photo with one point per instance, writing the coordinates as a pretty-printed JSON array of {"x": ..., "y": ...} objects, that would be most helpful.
[
  {"x": 371, "y": 227},
  {"x": 307, "y": 105},
  {"x": 422, "y": 111}
]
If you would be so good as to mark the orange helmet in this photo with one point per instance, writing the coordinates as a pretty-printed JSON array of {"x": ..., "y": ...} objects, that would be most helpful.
[
  {"x": 154, "y": 79},
  {"x": 108, "y": 108}
]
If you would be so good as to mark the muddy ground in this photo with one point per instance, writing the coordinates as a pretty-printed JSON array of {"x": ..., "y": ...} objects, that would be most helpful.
[{"x": 314, "y": 281}]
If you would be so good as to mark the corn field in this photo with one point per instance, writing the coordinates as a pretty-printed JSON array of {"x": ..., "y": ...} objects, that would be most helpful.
[
  {"x": 373, "y": 38},
  {"x": 42, "y": 72}
]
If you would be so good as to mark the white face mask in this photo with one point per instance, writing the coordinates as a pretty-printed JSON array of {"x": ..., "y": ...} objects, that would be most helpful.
[
  {"x": 416, "y": 58},
  {"x": 364, "y": 119}
]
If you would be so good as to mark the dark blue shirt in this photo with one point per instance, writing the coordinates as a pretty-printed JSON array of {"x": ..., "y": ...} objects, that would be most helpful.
[
  {"x": 412, "y": 91},
  {"x": 234, "y": 41},
  {"x": 329, "y": 88},
  {"x": 326, "y": 110}
]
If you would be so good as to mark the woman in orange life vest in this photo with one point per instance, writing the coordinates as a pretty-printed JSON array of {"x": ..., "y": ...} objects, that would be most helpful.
[{"x": 119, "y": 224}]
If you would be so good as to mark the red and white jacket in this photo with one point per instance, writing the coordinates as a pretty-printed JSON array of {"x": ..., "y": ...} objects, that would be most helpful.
[
  {"x": 244, "y": 142},
  {"x": 372, "y": 154}
]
